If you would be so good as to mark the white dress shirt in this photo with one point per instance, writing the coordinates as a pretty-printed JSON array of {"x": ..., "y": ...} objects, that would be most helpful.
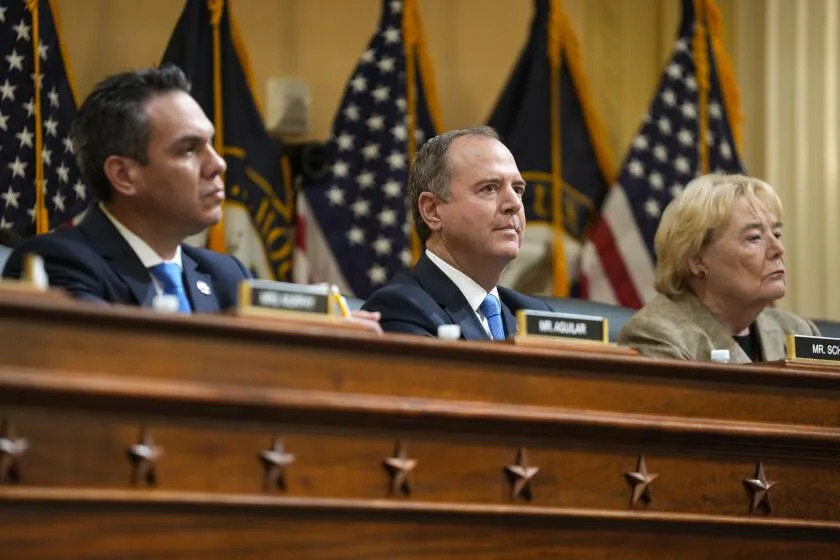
[
  {"x": 146, "y": 254},
  {"x": 473, "y": 293}
]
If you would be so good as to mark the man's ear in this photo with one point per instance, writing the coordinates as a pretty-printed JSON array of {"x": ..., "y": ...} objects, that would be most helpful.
[
  {"x": 122, "y": 173},
  {"x": 429, "y": 206}
]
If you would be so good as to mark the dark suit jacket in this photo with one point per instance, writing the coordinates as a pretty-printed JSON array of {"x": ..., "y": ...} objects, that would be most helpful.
[
  {"x": 420, "y": 301},
  {"x": 93, "y": 262}
]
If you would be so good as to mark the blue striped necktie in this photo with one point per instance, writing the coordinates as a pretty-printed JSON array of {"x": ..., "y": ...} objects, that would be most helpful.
[
  {"x": 169, "y": 276},
  {"x": 493, "y": 313}
]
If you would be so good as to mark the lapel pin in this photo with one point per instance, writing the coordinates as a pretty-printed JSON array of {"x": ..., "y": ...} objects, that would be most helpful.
[{"x": 203, "y": 287}]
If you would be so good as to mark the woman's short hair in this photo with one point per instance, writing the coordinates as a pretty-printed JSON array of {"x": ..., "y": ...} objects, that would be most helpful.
[{"x": 692, "y": 218}]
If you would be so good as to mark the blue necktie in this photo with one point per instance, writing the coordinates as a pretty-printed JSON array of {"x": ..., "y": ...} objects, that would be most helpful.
[
  {"x": 493, "y": 313},
  {"x": 169, "y": 276}
]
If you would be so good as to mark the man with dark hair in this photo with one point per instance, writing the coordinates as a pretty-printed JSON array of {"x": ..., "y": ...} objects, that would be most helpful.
[
  {"x": 145, "y": 147},
  {"x": 465, "y": 193}
]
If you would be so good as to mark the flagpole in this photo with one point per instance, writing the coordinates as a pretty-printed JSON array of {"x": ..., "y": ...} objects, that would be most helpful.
[
  {"x": 409, "y": 30},
  {"x": 216, "y": 236},
  {"x": 68, "y": 68},
  {"x": 726, "y": 77},
  {"x": 555, "y": 45},
  {"x": 702, "y": 71},
  {"x": 42, "y": 223}
]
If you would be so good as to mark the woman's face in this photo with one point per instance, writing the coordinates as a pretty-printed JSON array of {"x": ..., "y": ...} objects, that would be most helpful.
[{"x": 744, "y": 263}]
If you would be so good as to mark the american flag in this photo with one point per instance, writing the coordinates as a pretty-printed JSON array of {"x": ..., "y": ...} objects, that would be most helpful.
[
  {"x": 353, "y": 225},
  {"x": 35, "y": 127},
  {"x": 619, "y": 260}
]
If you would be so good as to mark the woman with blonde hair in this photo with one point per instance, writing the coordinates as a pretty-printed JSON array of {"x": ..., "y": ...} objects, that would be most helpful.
[{"x": 720, "y": 266}]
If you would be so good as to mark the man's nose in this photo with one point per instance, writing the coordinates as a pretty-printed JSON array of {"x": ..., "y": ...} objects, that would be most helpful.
[
  {"x": 511, "y": 202},
  {"x": 217, "y": 163}
]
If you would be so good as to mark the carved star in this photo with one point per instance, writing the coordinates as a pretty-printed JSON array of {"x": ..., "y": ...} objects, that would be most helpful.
[
  {"x": 759, "y": 489},
  {"x": 143, "y": 456},
  {"x": 11, "y": 450},
  {"x": 274, "y": 461},
  {"x": 519, "y": 476},
  {"x": 399, "y": 466},
  {"x": 640, "y": 481}
]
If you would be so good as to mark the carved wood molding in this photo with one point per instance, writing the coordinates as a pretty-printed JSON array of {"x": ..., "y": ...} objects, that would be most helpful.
[
  {"x": 281, "y": 332},
  {"x": 526, "y": 515},
  {"x": 133, "y": 395}
]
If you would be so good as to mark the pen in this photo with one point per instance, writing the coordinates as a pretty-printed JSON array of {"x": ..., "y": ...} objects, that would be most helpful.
[{"x": 342, "y": 303}]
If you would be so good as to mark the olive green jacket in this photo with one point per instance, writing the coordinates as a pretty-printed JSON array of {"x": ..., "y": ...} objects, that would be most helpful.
[{"x": 683, "y": 328}]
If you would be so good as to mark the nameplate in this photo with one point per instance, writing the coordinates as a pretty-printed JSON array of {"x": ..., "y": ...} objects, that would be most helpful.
[
  {"x": 272, "y": 296},
  {"x": 814, "y": 348},
  {"x": 567, "y": 326}
]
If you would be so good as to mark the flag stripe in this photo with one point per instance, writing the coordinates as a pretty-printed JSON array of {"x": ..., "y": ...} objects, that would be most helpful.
[
  {"x": 612, "y": 264},
  {"x": 633, "y": 282},
  {"x": 594, "y": 284},
  {"x": 314, "y": 260}
]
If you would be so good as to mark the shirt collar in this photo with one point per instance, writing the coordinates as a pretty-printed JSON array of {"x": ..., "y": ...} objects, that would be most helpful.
[
  {"x": 473, "y": 293},
  {"x": 146, "y": 254}
]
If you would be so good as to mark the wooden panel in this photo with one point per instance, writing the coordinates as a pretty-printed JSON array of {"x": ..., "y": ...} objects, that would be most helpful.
[
  {"x": 462, "y": 470},
  {"x": 137, "y": 525},
  {"x": 461, "y": 448},
  {"x": 255, "y": 352},
  {"x": 79, "y": 382}
]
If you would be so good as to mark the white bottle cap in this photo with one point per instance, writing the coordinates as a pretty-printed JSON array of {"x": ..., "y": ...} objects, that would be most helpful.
[
  {"x": 720, "y": 355},
  {"x": 449, "y": 332},
  {"x": 166, "y": 303}
]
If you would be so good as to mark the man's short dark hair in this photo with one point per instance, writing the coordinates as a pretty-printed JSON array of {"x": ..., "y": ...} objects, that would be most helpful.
[
  {"x": 113, "y": 121},
  {"x": 432, "y": 173}
]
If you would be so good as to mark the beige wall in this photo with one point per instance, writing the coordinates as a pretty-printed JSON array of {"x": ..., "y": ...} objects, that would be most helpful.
[{"x": 473, "y": 43}]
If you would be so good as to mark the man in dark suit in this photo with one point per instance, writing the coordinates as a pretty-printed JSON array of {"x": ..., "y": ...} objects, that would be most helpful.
[
  {"x": 145, "y": 147},
  {"x": 466, "y": 196}
]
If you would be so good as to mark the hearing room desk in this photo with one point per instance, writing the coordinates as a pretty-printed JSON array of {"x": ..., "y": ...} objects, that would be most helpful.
[{"x": 156, "y": 436}]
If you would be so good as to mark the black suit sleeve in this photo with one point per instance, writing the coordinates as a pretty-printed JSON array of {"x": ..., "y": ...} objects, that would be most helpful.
[
  {"x": 246, "y": 274},
  {"x": 406, "y": 310},
  {"x": 227, "y": 279},
  {"x": 65, "y": 264}
]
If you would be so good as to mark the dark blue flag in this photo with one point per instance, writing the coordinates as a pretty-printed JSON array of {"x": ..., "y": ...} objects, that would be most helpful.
[
  {"x": 35, "y": 144},
  {"x": 258, "y": 192},
  {"x": 687, "y": 132},
  {"x": 545, "y": 117},
  {"x": 355, "y": 228}
]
